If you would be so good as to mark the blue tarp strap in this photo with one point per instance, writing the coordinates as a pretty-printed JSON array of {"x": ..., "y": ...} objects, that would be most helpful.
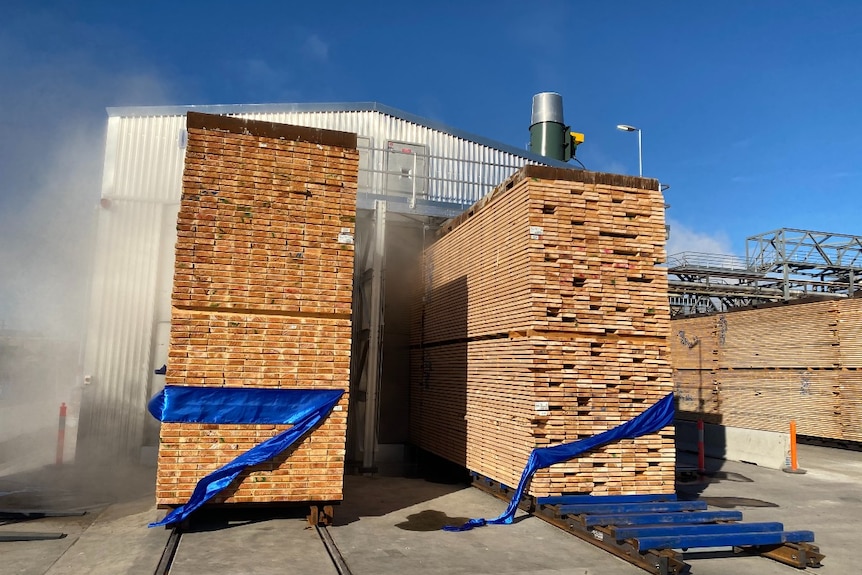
[
  {"x": 650, "y": 421},
  {"x": 302, "y": 408}
]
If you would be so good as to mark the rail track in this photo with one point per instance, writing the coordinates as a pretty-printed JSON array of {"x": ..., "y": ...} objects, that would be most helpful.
[{"x": 319, "y": 519}]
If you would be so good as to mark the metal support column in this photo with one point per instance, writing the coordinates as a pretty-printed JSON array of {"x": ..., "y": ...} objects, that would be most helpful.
[{"x": 369, "y": 437}]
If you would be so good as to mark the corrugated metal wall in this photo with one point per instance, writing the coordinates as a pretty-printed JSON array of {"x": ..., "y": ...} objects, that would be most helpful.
[
  {"x": 130, "y": 296},
  {"x": 140, "y": 191},
  {"x": 460, "y": 171}
]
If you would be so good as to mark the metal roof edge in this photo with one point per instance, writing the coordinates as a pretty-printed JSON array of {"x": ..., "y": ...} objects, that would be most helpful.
[{"x": 180, "y": 110}]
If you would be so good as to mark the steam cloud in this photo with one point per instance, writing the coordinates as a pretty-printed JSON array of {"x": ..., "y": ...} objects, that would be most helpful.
[
  {"x": 684, "y": 239},
  {"x": 51, "y": 157}
]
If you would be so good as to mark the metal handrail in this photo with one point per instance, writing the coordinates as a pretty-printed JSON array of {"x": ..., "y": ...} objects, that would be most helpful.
[{"x": 706, "y": 260}]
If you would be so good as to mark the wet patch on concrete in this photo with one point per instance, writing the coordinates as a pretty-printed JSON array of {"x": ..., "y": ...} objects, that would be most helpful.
[
  {"x": 429, "y": 520},
  {"x": 394, "y": 553},
  {"x": 694, "y": 478},
  {"x": 734, "y": 502}
]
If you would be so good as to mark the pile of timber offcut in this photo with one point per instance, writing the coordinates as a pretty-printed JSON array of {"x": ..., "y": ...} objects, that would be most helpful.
[
  {"x": 762, "y": 368},
  {"x": 262, "y": 298},
  {"x": 544, "y": 319}
]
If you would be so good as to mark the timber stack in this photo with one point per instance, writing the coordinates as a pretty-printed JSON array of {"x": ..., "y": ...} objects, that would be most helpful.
[
  {"x": 262, "y": 298},
  {"x": 544, "y": 319},
  {"x": 761, "y": 368}
]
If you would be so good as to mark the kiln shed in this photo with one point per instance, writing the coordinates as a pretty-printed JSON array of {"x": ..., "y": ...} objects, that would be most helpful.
[{"x": 413, "y": 174}]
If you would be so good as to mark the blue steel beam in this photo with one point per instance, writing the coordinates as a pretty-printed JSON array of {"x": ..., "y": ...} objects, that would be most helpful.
[
  {"x": 648, "y": 507},
  {"x": 723, "y": 540},
  {"x": 583, "y": 499},
  {"x": 621, "y": 533},
  {"x": 684, "y": 517}
]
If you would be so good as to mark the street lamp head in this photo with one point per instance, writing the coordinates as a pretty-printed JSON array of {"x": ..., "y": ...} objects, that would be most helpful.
[{"x": 627, "y": 128}]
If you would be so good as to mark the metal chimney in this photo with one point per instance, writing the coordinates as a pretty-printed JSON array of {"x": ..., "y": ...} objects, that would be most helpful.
[
  {"x": 547, "y": 107},
  {"x": 549, "y": 135},
  {"x": 548, "y": 132}
]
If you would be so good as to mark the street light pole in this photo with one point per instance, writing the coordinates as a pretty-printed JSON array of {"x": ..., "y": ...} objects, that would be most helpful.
[{"x": 627, "y": 128}]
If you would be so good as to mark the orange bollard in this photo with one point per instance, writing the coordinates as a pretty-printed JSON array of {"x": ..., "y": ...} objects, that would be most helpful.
[
  {"x": 61, "y": 434},
  {"x": 794, "y": 464}
]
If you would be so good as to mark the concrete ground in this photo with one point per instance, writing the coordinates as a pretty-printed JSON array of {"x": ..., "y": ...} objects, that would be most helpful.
[{"x": 392, "y": 526}]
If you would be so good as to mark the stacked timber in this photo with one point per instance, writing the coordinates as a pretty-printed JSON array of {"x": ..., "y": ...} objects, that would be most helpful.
[
  {"x": 850, "y": 333},
  {"x": 782, "y": 337},
  {"x": 693, "y": 348},
  {"x": 544, "y": 319},
  {"x": 850, "y": 378},
  {"x": 850, "y": 384},
  {"x": 798, "y": 361},
  {"x": 261, "y": 299}
]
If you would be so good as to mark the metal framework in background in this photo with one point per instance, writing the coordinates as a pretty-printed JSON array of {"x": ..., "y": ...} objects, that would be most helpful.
[{"x": 781, "y": 265}]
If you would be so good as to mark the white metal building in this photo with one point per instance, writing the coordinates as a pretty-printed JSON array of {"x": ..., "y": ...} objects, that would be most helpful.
[{"x": 413, "y": 173}]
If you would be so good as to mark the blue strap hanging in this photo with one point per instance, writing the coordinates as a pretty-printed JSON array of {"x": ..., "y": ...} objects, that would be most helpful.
[
  {"x": 302, "y": 408},
  {"x": 650, "y": 421}
]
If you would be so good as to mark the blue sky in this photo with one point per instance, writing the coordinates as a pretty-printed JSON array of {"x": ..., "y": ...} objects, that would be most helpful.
[{"x": 750, "y": 110}]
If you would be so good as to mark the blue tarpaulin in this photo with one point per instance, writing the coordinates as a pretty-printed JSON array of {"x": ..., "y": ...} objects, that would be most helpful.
[
  {"x": 650, "y": 421},
  {"x": 301, "y": 408}
]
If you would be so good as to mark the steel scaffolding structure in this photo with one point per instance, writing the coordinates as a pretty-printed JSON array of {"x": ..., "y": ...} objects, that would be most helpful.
[{"x": 779, "y": 265}]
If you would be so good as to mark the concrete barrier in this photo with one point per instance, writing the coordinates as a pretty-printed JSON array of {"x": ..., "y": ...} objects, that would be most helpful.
[{"x": 764, "y": 448}]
